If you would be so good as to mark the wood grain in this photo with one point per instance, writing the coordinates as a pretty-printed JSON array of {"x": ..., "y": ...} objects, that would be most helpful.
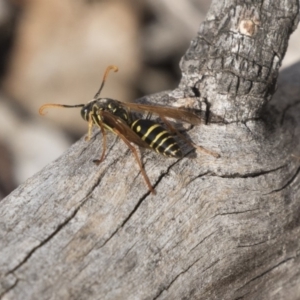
[{"x": 225, "y": 228}]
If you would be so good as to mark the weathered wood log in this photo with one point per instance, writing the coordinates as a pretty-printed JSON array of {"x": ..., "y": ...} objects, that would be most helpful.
[{"x": 226, "y": 228}]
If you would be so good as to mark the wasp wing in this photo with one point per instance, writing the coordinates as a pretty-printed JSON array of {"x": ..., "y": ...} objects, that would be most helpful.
[
  {"x": 112, "y": 122},
  {"x": 177, "y": 113}
]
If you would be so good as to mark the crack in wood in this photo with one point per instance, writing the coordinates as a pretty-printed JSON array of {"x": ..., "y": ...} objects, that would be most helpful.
[
  {"x": 197, "y": 177},
  {"x": 243, "y": 122},
  {"x": 240, "y": 76},
  {"x": 138, "y": 204},
  {"x": 235, "y": 212},
  {"x": 238, "y": 56},
  {"x": 252, "y": 245},
  {"x": 10, "y": 288},
  {"x": 242, "y": 297},
  {"x": 147, "y": 194},
  {"x": 266, "y": 272},
  {"x": 205, "y": 238},
  {"x": 60, "y": 226},
  {"x": 289, "y": 182},
  {"x": 247, "y": 175},
  {"x": 32, "y": 251},
  {"x": 181, "y": 273}
]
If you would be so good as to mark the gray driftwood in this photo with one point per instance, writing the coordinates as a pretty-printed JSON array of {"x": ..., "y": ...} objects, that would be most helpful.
[{"x": 226, "y": 228}]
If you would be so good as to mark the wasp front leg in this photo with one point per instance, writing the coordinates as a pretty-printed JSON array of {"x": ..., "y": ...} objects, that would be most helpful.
[
  {"x": 98, "y": 161},
  {"x": 91, "y": 123}
]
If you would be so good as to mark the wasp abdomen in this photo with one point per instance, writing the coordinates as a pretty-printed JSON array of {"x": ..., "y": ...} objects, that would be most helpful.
[{"x": 157, "y": 137}]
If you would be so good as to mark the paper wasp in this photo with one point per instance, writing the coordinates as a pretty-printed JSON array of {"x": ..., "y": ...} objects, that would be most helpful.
[{"x": 117, "y": 117}]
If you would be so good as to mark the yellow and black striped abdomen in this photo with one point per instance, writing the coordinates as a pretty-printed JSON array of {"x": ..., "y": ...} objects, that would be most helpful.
[{"x": 157, "y": 137}]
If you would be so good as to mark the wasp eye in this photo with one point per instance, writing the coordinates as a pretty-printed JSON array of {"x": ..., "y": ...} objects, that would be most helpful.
[{"x": 85, "y": 114}]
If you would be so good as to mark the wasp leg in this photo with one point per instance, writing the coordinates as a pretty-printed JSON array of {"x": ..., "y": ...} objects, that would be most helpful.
[
  {"x": 98, "y": 161},
  {"x": 91, "y": 123},
  {"x": 132, "y": 148},
  {"x": 200, "y": 148}
]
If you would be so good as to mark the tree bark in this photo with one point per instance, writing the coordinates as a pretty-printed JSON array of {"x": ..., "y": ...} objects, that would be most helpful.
[{"x": 218, "y": 228}]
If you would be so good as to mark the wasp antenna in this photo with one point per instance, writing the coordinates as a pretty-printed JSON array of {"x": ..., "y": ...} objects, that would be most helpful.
[
  {"x": 111, "y": 67},
  {"x": 43, "y": 107}
]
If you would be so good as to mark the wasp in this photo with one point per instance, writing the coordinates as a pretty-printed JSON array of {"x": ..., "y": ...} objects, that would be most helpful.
[{"x": 118, "y": 117}]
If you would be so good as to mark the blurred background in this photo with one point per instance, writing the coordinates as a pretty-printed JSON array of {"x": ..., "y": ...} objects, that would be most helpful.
[{"x": 56, "y": 52}]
